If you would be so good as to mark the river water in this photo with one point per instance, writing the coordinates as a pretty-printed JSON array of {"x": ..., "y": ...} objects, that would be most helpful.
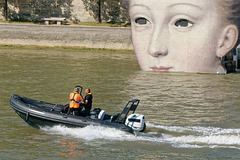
[{"x": 188, "y": 116}]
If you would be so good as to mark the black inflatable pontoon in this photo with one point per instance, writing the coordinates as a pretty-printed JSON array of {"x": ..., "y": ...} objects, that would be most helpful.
[{"x": 41, "y": 114}]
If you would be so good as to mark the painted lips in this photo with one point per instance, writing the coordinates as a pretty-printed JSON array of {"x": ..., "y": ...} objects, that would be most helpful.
[{"x": 161, "y": 69}]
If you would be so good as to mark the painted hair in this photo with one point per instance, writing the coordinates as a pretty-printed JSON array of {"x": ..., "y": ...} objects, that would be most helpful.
[{"x": 234, "y": 14}]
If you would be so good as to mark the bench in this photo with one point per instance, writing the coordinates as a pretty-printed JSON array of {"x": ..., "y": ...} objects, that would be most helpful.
[{"x": 54, "y": 19}]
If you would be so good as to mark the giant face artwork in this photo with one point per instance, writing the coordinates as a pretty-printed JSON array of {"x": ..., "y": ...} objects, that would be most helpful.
[{"x": 180, "y": 35}]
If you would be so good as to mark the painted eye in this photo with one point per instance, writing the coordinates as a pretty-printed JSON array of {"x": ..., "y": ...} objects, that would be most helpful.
[
  {"x": 141, "y": 21},
  {"x": 183, "y": 23}
]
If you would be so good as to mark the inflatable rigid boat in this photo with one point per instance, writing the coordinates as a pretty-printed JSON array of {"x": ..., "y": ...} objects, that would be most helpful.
[{"x": 42, "y": 114}]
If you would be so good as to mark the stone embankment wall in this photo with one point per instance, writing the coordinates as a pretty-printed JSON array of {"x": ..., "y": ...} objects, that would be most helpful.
[
  {"x": 1, "y": 12},
  {"x": 72, "y": 10},
  {"x": 63, "y": 35},
  {"x": 1, "y": 9}
]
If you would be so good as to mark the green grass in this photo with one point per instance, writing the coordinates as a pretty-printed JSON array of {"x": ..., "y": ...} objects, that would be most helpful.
[
  {"x": 103, "y": 24},
  {"x": 64, "y": 47},
  {"x": 16, "y": 22}
]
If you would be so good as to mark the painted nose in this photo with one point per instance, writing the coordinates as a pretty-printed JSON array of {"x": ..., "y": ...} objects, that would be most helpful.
[{"x": 158, "y": 44}]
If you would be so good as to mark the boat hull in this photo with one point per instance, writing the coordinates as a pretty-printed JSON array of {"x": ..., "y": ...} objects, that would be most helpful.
[{"x": 41, "y": 114}]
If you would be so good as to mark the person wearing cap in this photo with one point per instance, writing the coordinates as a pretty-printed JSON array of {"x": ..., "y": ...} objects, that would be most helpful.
[{"x": 75, "y": 99}]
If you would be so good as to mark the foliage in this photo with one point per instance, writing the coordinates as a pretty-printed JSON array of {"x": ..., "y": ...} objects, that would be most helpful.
[
  {"x": 34, "y": 10},
  {"x": 111, "y": 10}
]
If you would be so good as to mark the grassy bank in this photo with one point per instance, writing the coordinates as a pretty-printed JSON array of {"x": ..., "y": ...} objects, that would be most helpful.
[
  {"x": 66, "y": 48},
  {"x": 103, "y": 24},
  {"x": 95, "y": 24}
]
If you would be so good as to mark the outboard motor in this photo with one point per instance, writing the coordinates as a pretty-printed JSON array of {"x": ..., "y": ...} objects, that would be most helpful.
[
  {"x": 136, "y": 122},
  {"x": 101, "y": 115}
]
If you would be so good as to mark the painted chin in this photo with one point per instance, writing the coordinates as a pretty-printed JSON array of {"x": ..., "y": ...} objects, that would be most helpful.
[{"x": 161, "y": 69}]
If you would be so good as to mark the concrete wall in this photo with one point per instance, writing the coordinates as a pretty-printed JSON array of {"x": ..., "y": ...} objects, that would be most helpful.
[
  {"x": 79, "y": 13},
  {"x": 1, "y": 15},
  {"x": 1, "y": 9},
  {"x": 73, "y": 10}
]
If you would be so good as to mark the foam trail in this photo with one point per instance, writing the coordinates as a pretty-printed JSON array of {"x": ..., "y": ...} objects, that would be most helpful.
[
  {"x": 196, "y": 129},
  {"x": 198, "y": 137},
  {"x": 216, "y": 139},
  {"x": 90, "y": 133}
]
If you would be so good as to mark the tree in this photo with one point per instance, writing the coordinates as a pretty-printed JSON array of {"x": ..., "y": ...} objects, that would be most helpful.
[
  {"x": 106, "y": 10},
  {"x": 34, "y": 10},
  {"x": 99, "y": 11}
]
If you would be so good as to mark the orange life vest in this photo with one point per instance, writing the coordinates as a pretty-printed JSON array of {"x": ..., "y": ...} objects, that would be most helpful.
[{"x": 75, "y": 98}]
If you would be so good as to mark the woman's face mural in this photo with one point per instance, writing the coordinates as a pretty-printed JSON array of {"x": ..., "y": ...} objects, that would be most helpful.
[{"x": 181, "y": 35}]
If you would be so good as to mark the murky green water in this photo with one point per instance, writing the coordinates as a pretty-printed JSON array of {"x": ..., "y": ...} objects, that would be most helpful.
[{"x": 189, "y": 116}]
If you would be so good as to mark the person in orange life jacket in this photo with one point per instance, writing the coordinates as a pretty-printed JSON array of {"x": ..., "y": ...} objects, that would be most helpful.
[
  {"x": 87, "y": 103},
  {"x": 75, "y": 99}
]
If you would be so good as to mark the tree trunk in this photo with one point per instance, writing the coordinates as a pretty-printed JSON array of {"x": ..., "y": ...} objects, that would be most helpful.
[
  {"x": 6, "y": 10},
  {"x": 99, "y": 11}
]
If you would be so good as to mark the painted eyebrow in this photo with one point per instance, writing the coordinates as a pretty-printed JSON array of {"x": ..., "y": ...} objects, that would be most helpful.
[
  {"x": 179, "y": 8},
  {"x": 171, "y": 6},
  {"x": 139, "y": 5},
  {"x": 186, "y": 4},
  {"x": 139, "y": 9}
]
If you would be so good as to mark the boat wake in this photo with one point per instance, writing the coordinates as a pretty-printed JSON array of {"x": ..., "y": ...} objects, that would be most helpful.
[
  {"x": 199, "y": 137},
  {"x": 89, "y": 133},
  {"x": 176, "y": 136}
]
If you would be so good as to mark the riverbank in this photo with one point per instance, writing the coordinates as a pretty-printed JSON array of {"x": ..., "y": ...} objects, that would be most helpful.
[
  {"x": 65, "y": 49},
  {"x": 115, "y": 38}
]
